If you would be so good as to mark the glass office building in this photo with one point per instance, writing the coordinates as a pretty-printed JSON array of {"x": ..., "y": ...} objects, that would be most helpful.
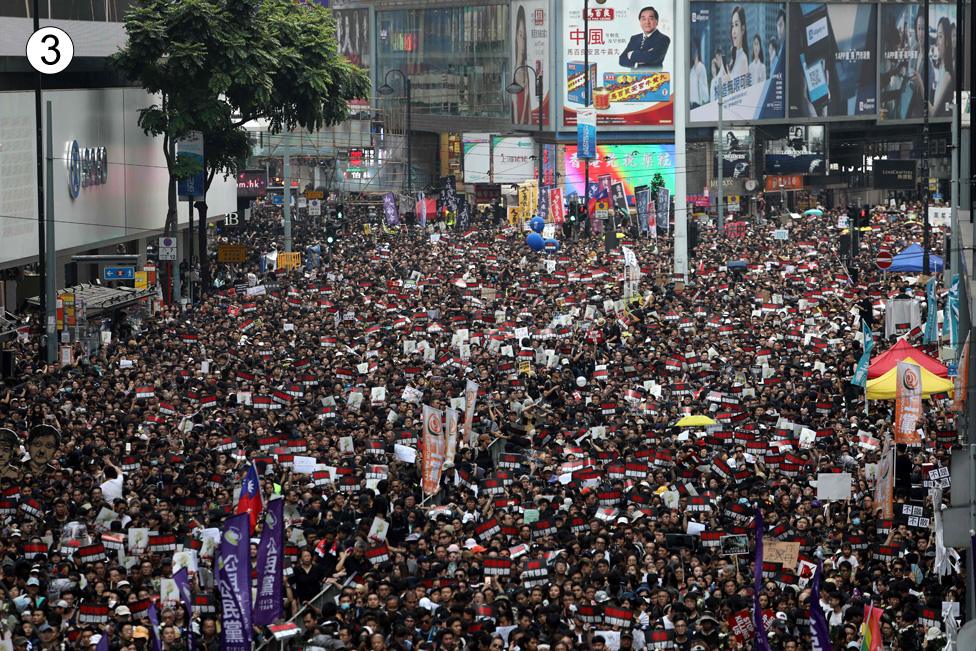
[{"x": 457, "y": 57}]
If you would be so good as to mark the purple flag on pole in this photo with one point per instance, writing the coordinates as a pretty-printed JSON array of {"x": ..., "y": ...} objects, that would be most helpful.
[
  {"x": 154, "y": 620},
  {"x": 761, "y": 641},
  {"x": 268, "y": 602},
  {"x": 818, "y": 623},
  {"x": 102, "y": 643},
  {"x": 182, "y": 580},
  {"x": 234, "y": 584}
]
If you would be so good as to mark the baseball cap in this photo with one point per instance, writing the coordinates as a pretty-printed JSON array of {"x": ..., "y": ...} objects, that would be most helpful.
[
  {"x": 33, "y": 581},
  {"x": 123, "y": 610}
]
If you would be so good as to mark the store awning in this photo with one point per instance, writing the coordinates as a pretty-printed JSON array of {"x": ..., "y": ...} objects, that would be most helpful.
[{"x": 99, "y": 299}]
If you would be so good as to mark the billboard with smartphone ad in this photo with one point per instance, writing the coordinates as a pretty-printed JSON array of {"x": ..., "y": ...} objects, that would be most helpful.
[
  {"x": 631, "y": 63},
  {"x": 834, "y": 63},
  {"x": 530, "y": 47},
  {"x": 737, "y": 51},
  {"x": 903, "y": 93}
]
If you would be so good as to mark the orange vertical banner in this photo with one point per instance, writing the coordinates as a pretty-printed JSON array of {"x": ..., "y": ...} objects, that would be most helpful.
[
  {"x": 961, "y": 382},
  {"x": 433, "y": 451},
  {"x": 908, "y": 403}
]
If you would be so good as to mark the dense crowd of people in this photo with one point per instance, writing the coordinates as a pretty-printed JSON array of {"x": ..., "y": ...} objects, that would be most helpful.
[{"x": 577, "y": 516}]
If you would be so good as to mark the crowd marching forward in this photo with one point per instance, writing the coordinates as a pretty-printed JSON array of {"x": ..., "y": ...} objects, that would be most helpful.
[{"x": 573, "y": 513}]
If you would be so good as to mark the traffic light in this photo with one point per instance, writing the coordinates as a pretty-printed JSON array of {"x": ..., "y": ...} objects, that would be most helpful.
[
  {"x": 339, "y": 210},
  {"x": 330, "y": 235}
]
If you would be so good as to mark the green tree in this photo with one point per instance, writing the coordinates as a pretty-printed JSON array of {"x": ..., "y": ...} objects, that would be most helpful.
[
  {"x": 657, "y": 182},
  {"x": 217, "y": 64}
]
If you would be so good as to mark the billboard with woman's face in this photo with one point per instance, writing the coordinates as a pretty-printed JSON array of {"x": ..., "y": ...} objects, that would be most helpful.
[
  {"x": 833, "y": 65},
  {"x": 530, "y": 47},
  {"x": 738, "y": 52},
  {"x": 903, "y": 62}
]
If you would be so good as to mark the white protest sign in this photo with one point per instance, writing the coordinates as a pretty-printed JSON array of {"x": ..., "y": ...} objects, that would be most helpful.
[{"x": 833, "y": 486}]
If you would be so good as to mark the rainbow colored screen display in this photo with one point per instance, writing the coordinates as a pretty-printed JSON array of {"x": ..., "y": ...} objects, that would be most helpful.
[{"x": 634, "y": 165}]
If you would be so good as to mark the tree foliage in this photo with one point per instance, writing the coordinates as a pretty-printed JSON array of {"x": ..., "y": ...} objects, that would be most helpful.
[{"x": 217, "y": 64}]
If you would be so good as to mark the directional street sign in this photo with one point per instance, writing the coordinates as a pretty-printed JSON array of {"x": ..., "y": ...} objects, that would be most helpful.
[{"x": 119, "y": 273}]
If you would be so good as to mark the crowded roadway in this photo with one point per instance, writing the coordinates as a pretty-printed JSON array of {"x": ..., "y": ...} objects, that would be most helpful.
[{"x": 578, "y": 511}]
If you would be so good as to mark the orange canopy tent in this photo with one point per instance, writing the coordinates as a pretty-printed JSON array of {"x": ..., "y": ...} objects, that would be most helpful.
[{"x": 899, "y": 352}]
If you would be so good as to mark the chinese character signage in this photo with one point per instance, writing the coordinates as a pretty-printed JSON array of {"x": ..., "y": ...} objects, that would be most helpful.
[
  {"x": 737, "y": 51},
  {"x": 632, "y": 165},
  {"x": 530, "y": 46},
  {"x": 631, "y": 63}
]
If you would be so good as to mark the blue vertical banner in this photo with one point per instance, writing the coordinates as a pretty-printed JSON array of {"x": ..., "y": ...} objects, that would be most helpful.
[
  {"x": 234, "y": 584},
  {"x": 860, "y": 378},
  {"x": 951, "y": 319},
  {"x": 191, "y": 148},
  {"x": 586, "y": 133},
  {"x": 931, "y": 334},
  {"x": 543, "y": 207},
  {"x": 390, "y": 209},
  {"x": 449, "y": 193},
  {"x": 464, "y": 213},
  {"x": 664, "y": 209},
  {"x": 643, "y": 196},
  {"x": 268, "y": 600},
  {"x": 548, "y": 165}
]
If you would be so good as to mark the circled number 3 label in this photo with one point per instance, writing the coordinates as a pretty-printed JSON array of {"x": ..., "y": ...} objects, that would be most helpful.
[{"x": 50, "y": 50}]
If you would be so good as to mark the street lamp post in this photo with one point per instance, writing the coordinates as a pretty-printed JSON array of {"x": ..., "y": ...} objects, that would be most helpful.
[
  {"x": 586, "y": 103},
  {"x": 515, "y": 88},
  {"x": 387, "y": 89}
]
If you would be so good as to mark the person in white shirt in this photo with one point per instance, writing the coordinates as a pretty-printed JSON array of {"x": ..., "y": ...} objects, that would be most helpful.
[
  {"x": 738, "y": 63},
  {"x": 757, "y": 67},
  {"x": 114, "y": 482},
  {"x": 699, "y": 79}
]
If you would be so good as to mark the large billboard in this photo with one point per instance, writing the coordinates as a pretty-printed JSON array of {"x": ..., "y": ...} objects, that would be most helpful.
[
  {"x": 352, "y": 32},
  {"x": 632, "y": 165},
  {"x": 802, "y": 151},
  {"x": 631, "y": 63},
  {"x": 903, "y": 93},
  {"x": 737, "y": 51},
  {"x": 834, "y": 65},
  {"x": 499, "y": 159},
  {"x": 530, "y": 47},
  {"x": 736, "y": 150}
]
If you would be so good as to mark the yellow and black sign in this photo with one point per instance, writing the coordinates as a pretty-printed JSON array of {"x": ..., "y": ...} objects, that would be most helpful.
[
  {"x": 289, "y": 261},
  {"x": 231, "y": 253},
  {"x": 314, "y": 194}
]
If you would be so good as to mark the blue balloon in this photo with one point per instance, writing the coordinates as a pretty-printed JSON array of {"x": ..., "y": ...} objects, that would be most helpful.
[
  {"x": 537, "y": 224},
  {"x": 535, "y": 241},
  {"x": 552, "y": 246}
]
